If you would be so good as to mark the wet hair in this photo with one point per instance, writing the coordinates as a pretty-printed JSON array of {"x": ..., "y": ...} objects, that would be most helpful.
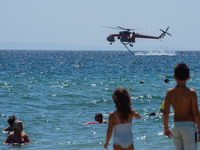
[
  {"x": 16, "y": 124},
  {"x": 166, "y": 80},
  {"x": 181, "y": 71},
  {"x": 122, "y": 102},
  {"x": 99, "y": 114},
  {"x": 152, "y": 114},
  {"x": 11, "y": 120}
]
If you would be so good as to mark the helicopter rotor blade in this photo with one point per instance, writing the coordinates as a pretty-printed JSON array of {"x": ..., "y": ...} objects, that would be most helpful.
[
  {"x": 129, "y": 29},
  {"x": 169, "y": 34},
  {"x": 162, "y": 30},
  {"x": 109, "y": 27},
  {"x": 167, "y": 29},
  {"x": 144, "y": 28},
  {"x": 122, "y": 28}
]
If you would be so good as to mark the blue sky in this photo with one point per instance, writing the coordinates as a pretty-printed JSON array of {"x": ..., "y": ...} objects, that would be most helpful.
[{"x": 64, "y": 23}]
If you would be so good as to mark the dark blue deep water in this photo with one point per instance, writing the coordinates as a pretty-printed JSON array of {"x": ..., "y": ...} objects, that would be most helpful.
[{"x": 55, "y": 92}]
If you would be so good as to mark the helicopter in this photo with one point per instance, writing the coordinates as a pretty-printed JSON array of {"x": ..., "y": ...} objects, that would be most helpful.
[{"x": 128, "y": 38}]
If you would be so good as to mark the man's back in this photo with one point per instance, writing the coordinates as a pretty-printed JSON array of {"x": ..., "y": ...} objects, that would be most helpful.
[{"x": 181, "y": 99}]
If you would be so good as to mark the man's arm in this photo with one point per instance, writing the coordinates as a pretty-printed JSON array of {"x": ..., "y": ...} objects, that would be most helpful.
[
  {"x": 166, "y": 110},
  {"x": 6, "y": 129}
]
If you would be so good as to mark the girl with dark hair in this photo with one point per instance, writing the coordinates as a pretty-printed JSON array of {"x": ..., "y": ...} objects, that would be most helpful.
[
  {"x": 17, "y": 136},
  {"x": 121, "y": 121}
]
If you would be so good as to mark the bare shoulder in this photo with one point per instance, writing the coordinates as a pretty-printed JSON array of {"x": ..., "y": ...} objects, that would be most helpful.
[
  {"x": 111, "y": 117},
  {"x": 170, "y": 91},
  {"x": 24, "y": 134},
  {"x": 111, "y": 114},
  {"x": 193, "y": 92},
  {"x": 11, "y": 134},
  {"x": 9, "y": 138},
  {"x": 104, "y": 121}
]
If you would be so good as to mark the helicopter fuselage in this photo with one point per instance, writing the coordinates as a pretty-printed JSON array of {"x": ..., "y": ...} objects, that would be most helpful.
[
  {"x": 129, "y": 37},
  {"x": 123, "y": 36}
]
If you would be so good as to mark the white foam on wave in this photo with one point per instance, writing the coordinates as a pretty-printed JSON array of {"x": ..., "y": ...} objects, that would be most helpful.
[{"x": 158, "y": 53}]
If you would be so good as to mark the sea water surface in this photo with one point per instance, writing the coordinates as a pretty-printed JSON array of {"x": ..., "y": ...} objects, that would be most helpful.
[{"x": 55, "y": 92}]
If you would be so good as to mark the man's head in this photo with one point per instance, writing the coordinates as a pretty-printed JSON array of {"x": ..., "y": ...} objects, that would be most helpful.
[
  {"x": 11, "y": 120},
  {"x": 99, "y": 117},
  {"x": 181, "y": 71},
  {"x": 166, "y": 80}
]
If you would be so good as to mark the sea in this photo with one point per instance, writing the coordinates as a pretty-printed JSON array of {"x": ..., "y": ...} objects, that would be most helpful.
[{"x": 55, "y": 92}]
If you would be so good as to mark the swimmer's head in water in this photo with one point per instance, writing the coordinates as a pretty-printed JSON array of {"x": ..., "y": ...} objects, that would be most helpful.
[
  {"x": 18, "y": 125},
  {"x": 152, "y": 114},
  {"x": 181, "y": 71},
  {"x": 11, "y": 120},
  {"x": 166, "y": 80},
  {"x": 99, "y": 117}
]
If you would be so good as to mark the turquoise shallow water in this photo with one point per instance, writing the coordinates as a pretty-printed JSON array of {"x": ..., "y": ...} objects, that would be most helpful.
[{"x": 55, "y": 92}]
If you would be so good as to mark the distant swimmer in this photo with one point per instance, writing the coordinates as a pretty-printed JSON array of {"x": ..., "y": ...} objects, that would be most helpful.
[
  {"x": 152, "y": 114},
  {"x": 166, "y": 80},
  {"x": 10, "y": 121},
  {"x": 142, "y": 82},
  {"x": 17, "y": 136},
  {"x": 99, "y": 118}
]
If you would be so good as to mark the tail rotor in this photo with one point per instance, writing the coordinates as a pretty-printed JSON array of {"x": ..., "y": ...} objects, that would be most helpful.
[{"x": 165, "y": 32}]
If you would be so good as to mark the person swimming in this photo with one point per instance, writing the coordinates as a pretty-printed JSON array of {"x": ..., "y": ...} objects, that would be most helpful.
[
  {"x": 99, "y": 118},
  {"x": 166, "y": 80},
  {"x": 152, "y": 114},
  {"x": 17, "y": 136},
  {"x": 10, "y": 121}
]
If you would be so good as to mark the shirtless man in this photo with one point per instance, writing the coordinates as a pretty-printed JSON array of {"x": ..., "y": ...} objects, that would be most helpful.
[{"x": 186, "y": 115}]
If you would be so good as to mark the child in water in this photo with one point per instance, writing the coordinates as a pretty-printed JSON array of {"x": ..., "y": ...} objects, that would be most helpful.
[{"x": 121, "y": 121}]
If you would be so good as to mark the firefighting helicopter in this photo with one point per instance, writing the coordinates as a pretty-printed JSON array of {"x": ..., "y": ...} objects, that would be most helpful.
[{"x": 126, "y": 37}]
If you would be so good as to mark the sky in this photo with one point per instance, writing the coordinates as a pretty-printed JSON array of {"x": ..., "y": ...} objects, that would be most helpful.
[{"x": 75, "y": 24}]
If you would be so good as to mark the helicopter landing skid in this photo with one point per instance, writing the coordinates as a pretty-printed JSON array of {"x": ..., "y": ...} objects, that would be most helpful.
[{"x": 127, "y": 47}]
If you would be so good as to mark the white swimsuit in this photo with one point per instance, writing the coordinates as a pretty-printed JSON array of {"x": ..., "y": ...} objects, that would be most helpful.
[{"x": 123, "y": 135}]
